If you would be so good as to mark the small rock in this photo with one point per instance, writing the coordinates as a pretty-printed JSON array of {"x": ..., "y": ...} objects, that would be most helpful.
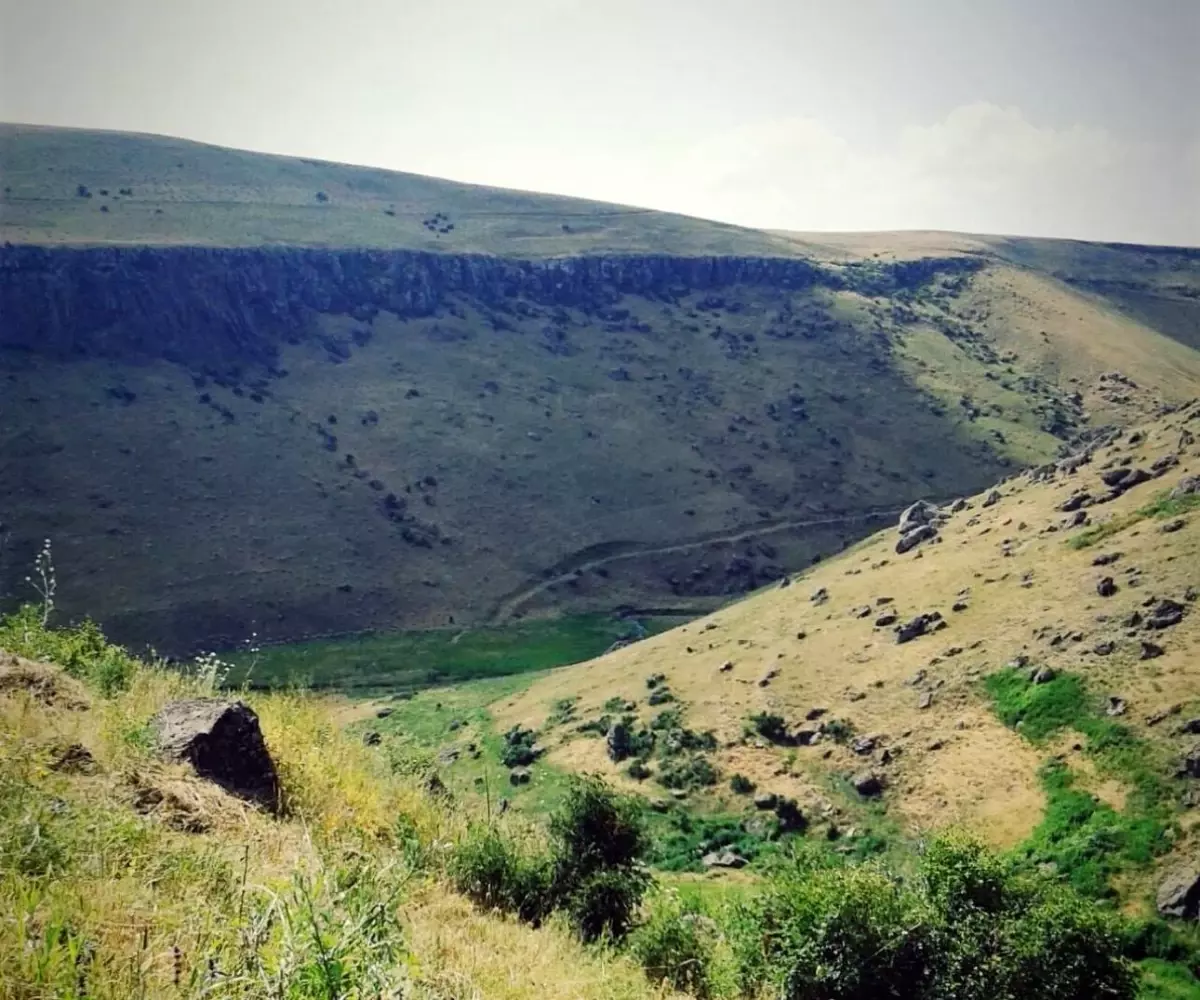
[
  {"x": 960, "y": 606},
  {"x": 1116, "y": 706},
  {"x": 1104, "y": 648},
  {"x": 868, "y": 784},
  {"x": 765, "y": 800},
  {"x": 726, "y": 666},
  {"x": 1106, "y": 586},
  {"x": 724, "y": 859},
  {"x": 991, "y": 499},
  {"x": 519, "y": 776},
  {"x": 1163, "y": 713},
  {"x": 74, "y": 759},
  {"x": 383, "y": 713},
  {"x": 1151, "y": 650},
  {"x": 1173, "y": 526},
  {"x": 1187, "y": 486},
  {"x": 1166, "y": 614},
  {"x": 926, "y": 700},
  {"x": 864, "y": 745},
  {"x": 820, "y": 596},
  {"x": 1106, "y": 559},
  {"x": 884, "y": 620},
  {"x": 1042, "y": 675},
  {"x": 371, "y": 738}
]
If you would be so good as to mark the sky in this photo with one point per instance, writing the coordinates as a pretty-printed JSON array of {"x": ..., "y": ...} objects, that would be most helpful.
[{"x": 1070, "y": 118}]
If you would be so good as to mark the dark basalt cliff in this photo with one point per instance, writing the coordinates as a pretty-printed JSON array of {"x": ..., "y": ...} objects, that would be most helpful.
[{"x": 228, "y": 307}]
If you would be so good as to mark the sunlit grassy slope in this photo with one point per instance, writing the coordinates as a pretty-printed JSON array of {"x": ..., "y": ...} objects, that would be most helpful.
[{"x": 1016, "y": 584}]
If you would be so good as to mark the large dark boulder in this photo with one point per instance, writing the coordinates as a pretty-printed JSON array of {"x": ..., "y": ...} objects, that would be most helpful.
[
  {"x": 1179, "y": 894},
  {"x": 223, "y": 743}
]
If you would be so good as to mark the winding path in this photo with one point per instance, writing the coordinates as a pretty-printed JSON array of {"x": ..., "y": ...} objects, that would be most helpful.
[{"x": 509, "y": 605}]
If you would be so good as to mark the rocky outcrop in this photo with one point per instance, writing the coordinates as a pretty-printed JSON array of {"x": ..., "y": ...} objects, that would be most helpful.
[
  {"x": 220, "y": 308},
  {"x": 223, "y": 743}
]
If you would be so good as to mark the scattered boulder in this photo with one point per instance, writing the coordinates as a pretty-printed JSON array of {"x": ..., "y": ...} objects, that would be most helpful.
[
  {"x": 919, "y": 626},
  {"x": 1116, "y": 706},
  {"x": 920, "y": 513},
  {"x": 724, "y": 859},
  {"x": 1104, "y": 648},
  {"x": 1188, "y": 486},
  {"x": 223, "y": 743},
  {"x": 1074, "y": 502},
  {"x": 991, "y": 499},
  {"x": 765, "y": 800},
  {"x": 1106, "y": 586},
  {"x": 884, "y": 620},
  {"x": 371, "y": 738},
  {"x": 1106, "y": 558},
  {"x": 1151, "y": 650},
  {"x": 1179, "y": 894},
  {"x": 1178, "y": 524},
  {"x": 925, "y": 701},
  {"x": 1165, "y": 614},
  {"x": 919, "y": 534},
  {"x": 519, "y": 776},
  {"x": 1042, "y": 675},
  {"x": 383, "y": 713},
  {"x": 868, "y": 784},
  {"x": 820, "y": 596}
]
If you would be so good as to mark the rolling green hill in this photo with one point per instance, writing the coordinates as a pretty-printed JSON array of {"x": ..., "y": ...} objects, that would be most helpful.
[{"x": 236, "y": 407}]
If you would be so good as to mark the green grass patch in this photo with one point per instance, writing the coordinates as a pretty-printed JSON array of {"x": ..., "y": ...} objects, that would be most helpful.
[
  {"x": 1163, "y": 980},
  {"x": 1086, "y": 840},
  {"x": 423, "y": 727},
  {"x": 1161, "y": 508},
  {"x": 415, "y": 660}
]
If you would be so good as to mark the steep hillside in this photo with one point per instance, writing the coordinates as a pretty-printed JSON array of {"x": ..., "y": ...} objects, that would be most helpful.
[
  {"x": 1042, "y": 645},
  {"x": 268, "y": 417}
]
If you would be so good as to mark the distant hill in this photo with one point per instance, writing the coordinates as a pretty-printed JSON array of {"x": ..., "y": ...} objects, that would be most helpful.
[{"x": 254, "y": 394}]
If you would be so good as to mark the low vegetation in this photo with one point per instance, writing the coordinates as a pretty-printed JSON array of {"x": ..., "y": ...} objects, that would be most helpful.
[{"x": 203, "y": 896}]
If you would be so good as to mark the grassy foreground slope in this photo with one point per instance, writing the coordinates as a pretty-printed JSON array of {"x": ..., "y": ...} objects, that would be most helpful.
[
  {"x": 123, "y": 876},
  {"x": 950, "y": 722}
]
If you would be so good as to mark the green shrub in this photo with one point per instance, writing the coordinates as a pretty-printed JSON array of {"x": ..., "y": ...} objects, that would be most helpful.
[
  {"x": 81, "y": 650},
  {"x": 694, "y": 772},
  {"x": 638, "y": 771},
  {"x": 970, "y": 926},
  {"x": 592, "y": 870},
  {"x": 493, "y": 872},
  {"x": 676, "y": 944},
  {"x": 769, "y": 726},
  {"x": 739, "y": 784}
]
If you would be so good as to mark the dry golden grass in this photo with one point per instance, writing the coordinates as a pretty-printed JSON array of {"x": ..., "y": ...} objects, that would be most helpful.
[
  {"x": 159, "y": 891},
  {"x": 1023, "y": 585}
]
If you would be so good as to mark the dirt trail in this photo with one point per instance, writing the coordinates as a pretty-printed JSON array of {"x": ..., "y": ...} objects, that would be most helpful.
[{"x": 508, "y": 606}]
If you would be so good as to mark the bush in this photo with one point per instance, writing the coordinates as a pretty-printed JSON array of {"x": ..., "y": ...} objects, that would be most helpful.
[
  {"x": 676, "y": 944},
  {"x": 770, "y": 727},
  {"x": 493, "y": 872},
  {"x": 592, "y": 871},
  {"x": 739, "y": 784},
  {"x": 81, "y": 650},
  {"x": 694, "y": 772},
  {"x": 969, "y": 927}
]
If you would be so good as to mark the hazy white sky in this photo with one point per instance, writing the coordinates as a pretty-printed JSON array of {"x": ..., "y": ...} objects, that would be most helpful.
[{"x": 1041, "y": 117}]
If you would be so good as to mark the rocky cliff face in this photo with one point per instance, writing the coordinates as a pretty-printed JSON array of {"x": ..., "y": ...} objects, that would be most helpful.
[{"x": 205, "y": 307}]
